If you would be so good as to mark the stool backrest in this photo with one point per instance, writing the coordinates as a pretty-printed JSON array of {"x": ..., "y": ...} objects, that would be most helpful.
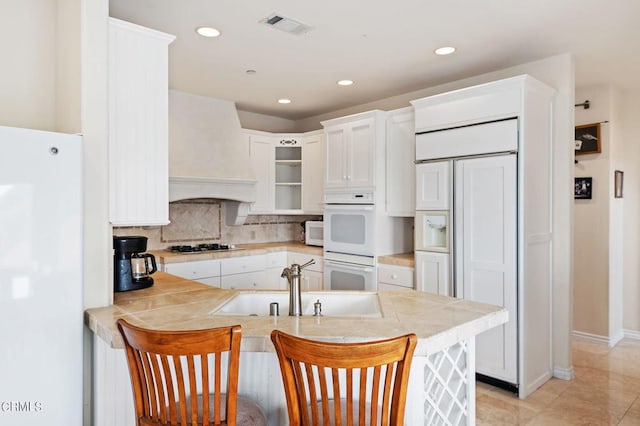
[
  {"x": 345, "y": 383},
  {"x": 175, "y": 374}
]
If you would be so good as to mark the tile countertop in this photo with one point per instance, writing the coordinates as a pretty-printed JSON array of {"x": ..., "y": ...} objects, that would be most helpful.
[
  {"x": 401, "y": 259},
  {"x": 174, "y": 303},
  {"x": 163, "y": 256}
]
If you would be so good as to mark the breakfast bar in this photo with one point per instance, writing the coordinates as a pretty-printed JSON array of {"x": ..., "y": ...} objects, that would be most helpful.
[{"x": 442, "y": 382}]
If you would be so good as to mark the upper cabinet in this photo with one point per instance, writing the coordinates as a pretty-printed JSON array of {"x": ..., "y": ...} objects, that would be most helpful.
[
  {"x": 138, "y": 125},
  {"x": 288, "y": 170},
  {"x": 400, "y": 159},
  {"x": 353, "y": 145},
  {"x": 312, "y": 172}
]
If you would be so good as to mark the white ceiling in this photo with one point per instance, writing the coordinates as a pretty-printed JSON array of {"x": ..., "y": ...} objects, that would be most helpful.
[{"x": 386, "y": 47}]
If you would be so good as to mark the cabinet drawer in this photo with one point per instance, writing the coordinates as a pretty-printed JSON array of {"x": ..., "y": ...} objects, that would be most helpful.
[
  {"x": 398, "y": 275},
  {"x": 302, "y": 258},
  {"x": 243, "y": 264},
  {"x": 194, "y": 270},
  {"x": 277, "y": 260},
  {"x": 248, "y": 281}
]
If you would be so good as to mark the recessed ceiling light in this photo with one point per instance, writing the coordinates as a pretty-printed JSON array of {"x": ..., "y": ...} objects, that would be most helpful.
[
  {"x": 448, "y": 50},
  {"x": 207, "y": 32},
  {"x": 345, "y": 82},
  {"x": 284, "y": 101}
]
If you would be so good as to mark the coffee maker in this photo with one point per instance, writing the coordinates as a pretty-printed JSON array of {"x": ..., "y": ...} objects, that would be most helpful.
[{"x": 131, "y": 265}]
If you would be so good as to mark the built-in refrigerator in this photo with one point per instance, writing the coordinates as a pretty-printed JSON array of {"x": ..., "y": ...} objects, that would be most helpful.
[
  {"x": 483, "y": 222},
  {"x": 41, "y": 315},
  {"x": 469, "y": 239}
]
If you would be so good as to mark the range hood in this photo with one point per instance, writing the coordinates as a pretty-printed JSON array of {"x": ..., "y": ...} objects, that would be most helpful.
[
  {"x": 208, "y": 154},
  {"x": 237, "y": 193}
]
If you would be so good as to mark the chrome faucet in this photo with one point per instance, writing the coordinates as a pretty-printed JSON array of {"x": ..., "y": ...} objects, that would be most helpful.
[{"x": 293, "y": 274}]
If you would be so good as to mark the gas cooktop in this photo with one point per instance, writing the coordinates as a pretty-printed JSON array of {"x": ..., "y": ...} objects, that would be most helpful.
[{"x": 202, "y": 248}]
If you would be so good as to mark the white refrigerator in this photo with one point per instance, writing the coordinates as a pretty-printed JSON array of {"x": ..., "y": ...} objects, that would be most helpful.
[{"x": 41, "y": 313}]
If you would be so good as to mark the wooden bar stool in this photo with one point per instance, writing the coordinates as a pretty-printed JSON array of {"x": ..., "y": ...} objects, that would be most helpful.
[
  {"x": 344, "y": 383},
  {"x": 167, "y": 368}
]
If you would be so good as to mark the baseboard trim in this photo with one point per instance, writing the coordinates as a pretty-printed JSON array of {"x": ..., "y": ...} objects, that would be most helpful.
[
  {"x": 595, "y": 338},
  {"x": 563, "y": 373},
  {"x": 631, "y": 334}
]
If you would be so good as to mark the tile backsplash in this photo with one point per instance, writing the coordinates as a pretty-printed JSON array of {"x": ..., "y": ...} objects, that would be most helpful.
[{"x": 202, "y": 221}]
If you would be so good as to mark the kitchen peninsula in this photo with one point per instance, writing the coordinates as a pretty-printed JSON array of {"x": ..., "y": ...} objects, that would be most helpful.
[{"x": 442, "y": 379}]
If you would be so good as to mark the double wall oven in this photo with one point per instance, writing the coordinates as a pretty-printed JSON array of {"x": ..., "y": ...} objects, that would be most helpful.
[{"x": 349, "y": 242}]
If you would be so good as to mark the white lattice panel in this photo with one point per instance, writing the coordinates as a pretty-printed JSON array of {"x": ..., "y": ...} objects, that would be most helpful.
[{"x": 446, "y": 392}]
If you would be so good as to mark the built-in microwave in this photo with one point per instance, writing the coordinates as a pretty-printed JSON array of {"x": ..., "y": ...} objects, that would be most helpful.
[
  {"x": 350, "y": 228},
  {"x": 313, "y": 232}
]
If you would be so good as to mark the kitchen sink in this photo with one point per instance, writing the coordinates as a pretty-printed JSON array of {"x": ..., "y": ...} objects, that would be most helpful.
[{"x": 334, "y": 303}]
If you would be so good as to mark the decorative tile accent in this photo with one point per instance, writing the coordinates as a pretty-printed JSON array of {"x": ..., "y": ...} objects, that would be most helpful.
[
  {"x": 193, "y": 220},
  {"x": 202, "y": 221}
]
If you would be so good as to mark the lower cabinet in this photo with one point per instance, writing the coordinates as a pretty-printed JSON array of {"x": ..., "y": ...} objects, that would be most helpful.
[
  {"x": 312, "y": 275},
  {"x": 395, "y": 278},
  {"x": 252, "y": 272},
  {"x": 432, "y": 272},
  {"x": 202, "y": 271}
]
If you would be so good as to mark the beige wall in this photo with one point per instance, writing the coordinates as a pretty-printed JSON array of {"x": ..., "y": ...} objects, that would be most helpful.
[
  {"x": 591, "y": 221},
  {"x": 27, "y": 86}
]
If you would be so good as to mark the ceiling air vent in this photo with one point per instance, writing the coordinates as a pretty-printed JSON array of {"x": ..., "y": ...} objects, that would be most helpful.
[{"x": 285, "y": 24}]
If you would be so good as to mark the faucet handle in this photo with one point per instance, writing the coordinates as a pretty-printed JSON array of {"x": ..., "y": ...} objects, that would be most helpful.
[{"x": 309, "y": 263}]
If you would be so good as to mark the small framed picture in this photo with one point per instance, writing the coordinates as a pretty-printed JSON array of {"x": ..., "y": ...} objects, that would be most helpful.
[
  {"x": 582, "y": 189},
  {"x": 587, "y": 139},
  {"x": 618, "y": 182}
]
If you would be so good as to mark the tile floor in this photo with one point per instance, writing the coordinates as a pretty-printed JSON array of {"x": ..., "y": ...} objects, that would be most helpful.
[{"x": 605, "y": 391}]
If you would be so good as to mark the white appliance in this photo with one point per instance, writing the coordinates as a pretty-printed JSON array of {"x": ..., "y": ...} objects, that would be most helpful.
[
  {"x": 484, "y": 214},
  {"x": 40, "y": 278},
  {"x": 349, "y": 272},
  {"x": 350, "y": 228},
  {"x": 314, "y": 233},
  {"x": 477, "y": 247}
]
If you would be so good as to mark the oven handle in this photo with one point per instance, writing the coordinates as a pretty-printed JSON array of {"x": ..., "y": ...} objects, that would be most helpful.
[
  {"x": 352, "y": 207},
  {"x": 351, "y": 268}
]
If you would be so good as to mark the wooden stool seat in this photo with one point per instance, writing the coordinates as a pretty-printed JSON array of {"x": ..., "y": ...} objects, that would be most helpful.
[
  {"x": 344, "y": 383},
  {"x": 167, "y": 367}
]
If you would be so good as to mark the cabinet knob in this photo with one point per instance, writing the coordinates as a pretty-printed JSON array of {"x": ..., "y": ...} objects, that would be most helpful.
[{"x": 394, "y": 276}]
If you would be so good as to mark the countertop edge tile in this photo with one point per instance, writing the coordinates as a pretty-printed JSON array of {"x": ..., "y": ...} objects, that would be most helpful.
[{"x": 438, "y": 321}]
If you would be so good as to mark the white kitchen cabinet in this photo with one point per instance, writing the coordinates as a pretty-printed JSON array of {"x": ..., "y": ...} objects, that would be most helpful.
[
  {"x": 312, "y": 275},
  {"x": 276, "y": 262},
  {"x": 313, "y": 173},
  {"x": 433, "y": 183},
  {"x": 261, "y": 150},
  {"x": 432, "y": 272},
  {"x": 288, "y": 175},
  {"x": 289, "y": 170},
  {"x": 202, "y": 271},
  {"x": 138, "y": 125},
  {"x": 400, "y": 156},
  {"x": 393, "y": 277},
  {"x": 244, "y": 272},
  {"x": 353, "y": 144}
]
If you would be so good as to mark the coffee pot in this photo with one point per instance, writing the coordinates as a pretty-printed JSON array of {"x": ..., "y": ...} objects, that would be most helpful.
[{"x": 131, "y": 267}]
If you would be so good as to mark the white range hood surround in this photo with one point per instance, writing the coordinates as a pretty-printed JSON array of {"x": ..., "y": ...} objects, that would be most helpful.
[
  {"x": 238, "y": 194},
  {"x": 209, "y": 155}
]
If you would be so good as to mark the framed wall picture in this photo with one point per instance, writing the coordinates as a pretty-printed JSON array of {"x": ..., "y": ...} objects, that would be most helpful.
[
  {"x": 618, "y": 181},
  {"x": 587, "y": 139},
  {"x": 582, "y": 189}
]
